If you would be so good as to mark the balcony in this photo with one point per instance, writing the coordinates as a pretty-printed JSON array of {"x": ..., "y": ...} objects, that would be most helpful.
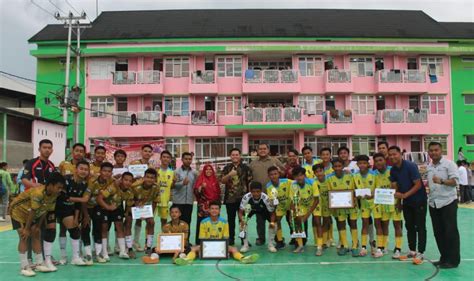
[
  {"x": 130, "y": 82},
  {"x": 402, "y": 121},
  {"x": 203, "y": 117},
  {"x": 401, "y": 81},
  {"x": 203, "y": 82},
  {"x": 271, "y": 81},
  {"x": 201, "y": 123},
  {"x": 148, "y": 124},
  {"x": 273, "y": 115},
  {"x": 340, "y": 122},
  {"x": 338, "y": 81}
]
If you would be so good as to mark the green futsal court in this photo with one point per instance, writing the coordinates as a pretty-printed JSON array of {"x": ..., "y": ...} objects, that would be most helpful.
[{"x": 283, "y": 265}]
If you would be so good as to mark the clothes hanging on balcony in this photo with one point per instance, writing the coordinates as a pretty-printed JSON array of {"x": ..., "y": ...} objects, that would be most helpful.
[
  {"x": 134, "y": 120},
  {"x": 249, "y": 74},
  {"x": 433, "y": 78}
]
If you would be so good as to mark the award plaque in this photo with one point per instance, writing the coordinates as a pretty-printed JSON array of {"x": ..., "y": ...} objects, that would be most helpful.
[
  {"x": 214, "y": 249},
  {"x": 341, "y": 199}
]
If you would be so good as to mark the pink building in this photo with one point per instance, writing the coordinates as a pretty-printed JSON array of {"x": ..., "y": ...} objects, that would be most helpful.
[{"x": 211, "y": 83}]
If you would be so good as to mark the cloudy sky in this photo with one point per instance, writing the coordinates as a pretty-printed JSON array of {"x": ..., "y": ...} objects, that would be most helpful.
[{"x": 20, "y": 19}]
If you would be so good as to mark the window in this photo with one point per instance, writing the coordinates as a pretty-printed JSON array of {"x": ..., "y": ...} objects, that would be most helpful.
[
  {"x": 312, "y": 104},
  {"x": 311, "y": 66},
  {"x": 362, "y": 104},
  {"x": 263, "y": 65},
  {"x": 333, "y": 143},
  {"x": 363, "y": 145},
  {"x": 415, "y": 144},
  {"x": 277, "y": 147},
  {"x": 176, "y": 146},
  {"x": 434, "y": 103},
  {"x": 229, "y": 66},
  {"x": 101, "y": 69},
  {"x": 216, "y": 147},
  {"x": 158, "y": 64},
  {"x": 469, "y": 99},
  {"x": 157, "y": 104},
  {"x": 121, "y": 65},
  {"x": 433, "y": 66},
  {"x": 177, "y": 67},
  {"x": 330, "y": 103},
  {"x": 470, "y": 139},
  {"x": 230, "y": 106},
  {"x": 101, "y": 106},
  {"x": 413, "y": 102},
  {"x": 361, "y": 66},
  {"x": 443, "y": 140},
  {"x": 412, "y": 63},
  {"x": 122, "y": 104},
  {"x": 177, "y": 106},
  {"x": 380, "y": 103}
]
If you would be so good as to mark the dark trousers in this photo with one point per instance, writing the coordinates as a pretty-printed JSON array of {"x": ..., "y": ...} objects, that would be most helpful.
[
  {"x": 232, "y": 211},
  {"x": 415, "y": 223},
  {"x": 465, "y": 192},
  {"x": 445, "y": 228},
  {"x": 198, "y": 224},
  {"x": 186, "y": 214},
  {"x": 262, "y": 218}
]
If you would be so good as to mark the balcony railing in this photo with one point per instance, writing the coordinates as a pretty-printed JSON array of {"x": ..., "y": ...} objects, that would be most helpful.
[
  {"x": 340, "y": 116},
  {"x": 142, "y": 117},
  {"x": 401, "y": 116},
  {"x": 124, "y": 77},
  {"x": 131, "y": 77},
  {"x": 413, "y": 117},
  {"x": 401, "y": 76},
  {"x": 203, "y": 77},
  {"x": 339, "y": 76},
  {"x": 254, "y": 115},
  {"x": 203, "y": 117},
  {"x": 292, "y": 114},
  {"x": 273, "y": 114},
  {"x": 148, "y": 77},
  {"x": 271, "y": 76}
]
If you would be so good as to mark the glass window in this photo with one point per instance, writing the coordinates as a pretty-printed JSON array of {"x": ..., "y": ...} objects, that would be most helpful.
[
  {"x": 363, "y": 145},
  {"x": 101, "y": 69},
  {"x": 415, "y": 144},
  {"x": 469, "y": 99},
  {"x": 469, "y": 139},
  {"x": 317, "y": 144},
  {"x": 101, "y": 106},
  {"x": 277, "y": 147},
  {"x": 216, "y": 147},
  {"x": 435, "y": 104},
  {"x": 311, "y": 66},
  {"x": 177, "y": 106},
  {"x": 177, "y": 67},
  {"x": 122, "y": 104},
  {"x": 312, "y": 104},
  {"x": 229, "y": 105},
  {"x": 176, "y": 146},
  {"x": 229, "y": 66},
  {"x": 362, "y": 104},
  {"x": 432, "y": 65},
  {"x": 441, "y": 139},
  {"x": 362, "y": 66}
]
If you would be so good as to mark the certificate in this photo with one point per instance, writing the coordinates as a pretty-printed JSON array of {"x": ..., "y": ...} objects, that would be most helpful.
[
  {"x": 341, "y": 199},
  {"x": 119, "y": 171},
  {"x": 138, "y": 170},
  {"x": 363, "y": 192},
  {"x": 170, "y": 242},
  {"x": 214, "y": 249},
  {"x": 142, "y": 212},
  {"x": 384, "y": 196}
]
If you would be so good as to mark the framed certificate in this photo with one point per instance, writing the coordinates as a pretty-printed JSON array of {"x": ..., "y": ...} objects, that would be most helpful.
[
  {"x": 119, "y": 171},
  {"x": 384, "y": 196},
  {"x": 138, "y": 170},
  {"x": 142, "y": 212},
  {"x": 341, "y": 199},
  {"x": 363, "y": 192},
  {"x": 170, "y": 242},
  {"x": 214, "y": 249}
]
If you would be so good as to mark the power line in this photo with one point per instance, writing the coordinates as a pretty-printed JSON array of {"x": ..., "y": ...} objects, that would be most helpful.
[
  {"x": 43, "y": 9},
  {"x": 51, "y": 2},
  {"x": 72, "y": 7},
  {"x": 31, "y": 80}
]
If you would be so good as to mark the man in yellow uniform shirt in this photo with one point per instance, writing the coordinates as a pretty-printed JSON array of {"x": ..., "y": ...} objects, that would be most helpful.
[
  {"x": 99, "y": 158},
  {"x": 320, "y": 230},
  {"x": 69, "y": 167},
  {"x": 309, "y": 161},
  {"x": 147, "y": 153},
  {"x": 165, "y": 181}
]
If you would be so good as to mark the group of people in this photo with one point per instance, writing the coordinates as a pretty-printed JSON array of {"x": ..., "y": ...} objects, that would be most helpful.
[{"x": 83, "y": 198}]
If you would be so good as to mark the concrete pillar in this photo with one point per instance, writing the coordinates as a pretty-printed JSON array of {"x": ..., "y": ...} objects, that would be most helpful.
[
  {"x": 300, "y": 140},
  {"x": 245, "y": 142}
]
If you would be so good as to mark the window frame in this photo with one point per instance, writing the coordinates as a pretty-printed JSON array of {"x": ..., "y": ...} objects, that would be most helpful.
[
  {"x": 176, "y": 146},
  {"x": 369, "y": 141},
  {"x": 368, "y": 63},
  {"x": 436, "y": 99},
  {"x": 183, "y": 63},
  {"x": 213, "y": 144},
  {"x": 222, "y": 66},
  {"x": 316, "y": 143},
  {"x": 441, "y": 139},
  {"x": 357, "y": 100},
  {"x": 305, "y": 101},
  {"x": 176, "y": 100},
  {"x": 311, "y": 66},
  {"x": 236, "y": 107},
  {"x": 108, "y": 104},
  {"x": 425, "y": 63}
]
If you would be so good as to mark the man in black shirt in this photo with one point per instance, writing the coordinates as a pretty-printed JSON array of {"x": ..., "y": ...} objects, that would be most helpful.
[{"x": 38, "y": 169}]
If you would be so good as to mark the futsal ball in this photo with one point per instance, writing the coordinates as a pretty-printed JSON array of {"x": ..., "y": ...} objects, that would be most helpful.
[{"x": 154, "y": 256}]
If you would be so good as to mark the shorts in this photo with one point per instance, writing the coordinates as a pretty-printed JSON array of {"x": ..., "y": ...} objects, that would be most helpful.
[
  {"x": 281, "y": 212},
  {"x": 379, "y": 213},
  {"x": 63, "y": 211},
  {"x": 367, "y": 210},
  {"x": 96, "y": 213},
  {"x": 322, "y": 210},
  {"x": 112, "y": 216},
  {"x": 162, "y": 212},
  {"x": 50, "y": 218},
  {"x": 352, "y": 214}
]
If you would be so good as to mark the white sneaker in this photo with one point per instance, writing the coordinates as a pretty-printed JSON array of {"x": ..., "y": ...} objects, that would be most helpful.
[
  {"x": 88, "y": 260},
  {"x": 396, "y": 255},
  {"x": 378, "y": 253},
  {"x": 107, "y": 258},
  {"x": 299, "y": 249},
  {"x": 124, "y": 256},
  {"x": 137, "y": 247},
  {"x": 117, "y": 249},
  {"x": 272, "y": 248},
  {"x": 42, "y": 268},
  {"x": 63, "y": 261},
  {"x": 78, "y": 261},
  {"x": 244, "y": 249},
  {"x": 27, "y": 271},
  {"x": 100, "y": 259},
  {"x": 2, "y": 219},
  {"x": 338, "y": 245},
  {"x": 51, "y": 266}
]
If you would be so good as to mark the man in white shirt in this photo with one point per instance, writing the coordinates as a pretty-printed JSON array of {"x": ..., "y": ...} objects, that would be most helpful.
[{"x": 464, "y": 189}]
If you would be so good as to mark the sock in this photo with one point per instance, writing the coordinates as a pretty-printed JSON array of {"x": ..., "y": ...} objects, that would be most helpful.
[
  {"x": 38, "y": 258},
  {"x": 398, "y": 242},
  {"x": 116, "y": 241},
  {"x": 24, "y": 259},
  {"x": 364, "y": 240},
  {"x": 98, "y": 248},
  {"x": 238, "y": 256},
  {"x": 47, "y": 250},
  {"x": 191, "y": 255},
  {"x": 325, "y": 237},
  {"x": 105, "y": 253},
  {"x": 121, "y": 244},
  {"x": 319, "y": 242},
  {"x": 62, "y": 246},
  {"x": 355, "y": 239},
  {"x": 331, "y": 232},
  {"x": 315, "y": 235},
  {"x": 279, "y": 235},
  {"x": 343, "y": 238},
  {"x": 385, "y": 241},
  {"x": 128, "y": 241},
  {"x": 75, "y": 248},
  {"x": 149, "y": 240},
  {"x": 246, "y": 241},
  {"x": 299, "y": 242},
  {"x": 380, "y": 243},
  {"x": 136, "y": 234},
  {"x": 88, "y": 251},
  {"x": 371, "y": 232}
]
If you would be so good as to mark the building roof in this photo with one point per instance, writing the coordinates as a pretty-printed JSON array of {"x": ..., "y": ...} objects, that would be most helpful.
[
  {"x": 460, "y": 29},
  {"x": 12, "y": 84},
  {"x": 23, "y": 114},
  {"x": 238, "y": 23}
]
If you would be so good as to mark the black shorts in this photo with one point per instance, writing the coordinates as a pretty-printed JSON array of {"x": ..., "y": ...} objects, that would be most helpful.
[
  {"x": 96, "y": 213},
  {"x": 50, "y": 218},
  {"x": 113, "y": 216},
  {"x": 64, "y": 211}
]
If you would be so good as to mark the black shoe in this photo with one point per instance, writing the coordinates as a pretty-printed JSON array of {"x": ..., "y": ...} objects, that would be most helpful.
[
  {"x": 437, "y": 263},
  {"x": 231, "y": 242},
  {"x": 447, "y": 265},
  {"x": 259, "y": 242},
  {"x": 280, "y": 245},
  {"x": 293, "y": 241}
]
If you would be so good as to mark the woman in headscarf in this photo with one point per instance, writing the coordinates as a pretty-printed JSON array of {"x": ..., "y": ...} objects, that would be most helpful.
[{"x": 206, "y": 189}]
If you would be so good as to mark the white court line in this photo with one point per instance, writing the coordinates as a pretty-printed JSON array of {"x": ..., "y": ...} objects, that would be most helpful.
[{"x": 256, "y": 264}]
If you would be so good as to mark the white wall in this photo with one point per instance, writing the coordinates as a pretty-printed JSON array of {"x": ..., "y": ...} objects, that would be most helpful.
[{"x": 54, "y": 132}]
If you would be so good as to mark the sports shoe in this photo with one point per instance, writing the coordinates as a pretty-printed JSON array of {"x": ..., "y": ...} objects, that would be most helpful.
[
  {"x": 131, "y": 254},
  {"x": 88, "y": 260},
  {"x": 250, "y": 259},
  {"x": 244, "y": 249},
  {"x": 2, "y": 219},
  {"x": 117, "y": 249},
  {"x": 271, "y": 248},
  {"x": 355, "y": 253},
  {"x": 27, "y": 271},
  {"x": 409, "y": 255},
  {"x": 378, "y": 253},
  {"x": 292, "y": 241},
  {"x": 332, "y": 243},
  {"x": 385, "y": 251},
  {"x": 183, "y": 261},
  {"x": 78, "y": 261},
  {"x": 107, "y": 258},
  {"x": 42, "y": 268},
  {"x": 63, "y": 261},
  {"x": 299, "y": 249},
  {"x": 280, "y": 245},
  {"x": 418, "y": 259},
  {"x": 137, "y": 247},
  {"x": 124, "y": 256},
  {"x": 338, "y": 244},
  {"x": 396, "y": 254},
  {"x": 342, "y": 251},
  {"x": 363, "y": 252},
  {"x": 51, "y": 266},
  {"x": 319, "y": 251},
  {"x": 100, "y": 259}
]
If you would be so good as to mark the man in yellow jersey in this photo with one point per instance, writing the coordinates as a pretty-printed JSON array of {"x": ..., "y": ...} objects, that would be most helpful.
[
  {"x": 30, "y": 210},
  {"x": 340, "y": 180},
  {"x": 279, "y": 189},
  {"x": 325, "y": 155},
  {"x": 385, "y": 213},
  {"x": 148, "y": 193},
  {"x": 215, "y": 227},
  {"x": 309, "y": 161},
  {"x": 165, "y": 181},
  {"x": 99, "y": 158},
  {"x": 69, "y": 167},
  {"x": 147, "y": 153},
  {"x": 304, "y": 195},
  {"x": 365, "y": 179},
  {"x": 320, "y": 230}
]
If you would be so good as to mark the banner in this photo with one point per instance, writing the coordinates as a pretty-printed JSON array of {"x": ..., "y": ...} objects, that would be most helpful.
[{"x": 133, "y": 150}]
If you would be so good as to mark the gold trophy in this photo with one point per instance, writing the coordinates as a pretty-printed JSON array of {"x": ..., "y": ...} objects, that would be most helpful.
[
  {"x": 297, "y": 233},
  {"x": 247, "y": 210}
]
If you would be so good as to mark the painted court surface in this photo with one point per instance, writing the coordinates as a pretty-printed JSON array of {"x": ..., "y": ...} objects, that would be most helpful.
[{"x": 283, "y": 265}]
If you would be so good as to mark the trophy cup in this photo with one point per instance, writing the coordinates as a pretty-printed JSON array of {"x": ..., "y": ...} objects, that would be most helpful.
[
  {"x": 297, "y": 233},
  {"x": 247, "y": 210},
  {"x": 274, "y": 197}
]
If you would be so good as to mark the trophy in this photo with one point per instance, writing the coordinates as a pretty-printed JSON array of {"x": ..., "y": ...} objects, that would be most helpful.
[
  {"x": 274, "y": 196},
  {"x": 247, "y": 210},
  {"x": 297, "y": 233}
]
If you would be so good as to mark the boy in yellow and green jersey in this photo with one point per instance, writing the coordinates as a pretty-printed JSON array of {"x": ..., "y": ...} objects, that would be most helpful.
[
  {"x": 384, "y": 213},
  {"x": 215, "y": 227},
  {"x": 165, "y": 180},
  {"x": 279, "y": 189},
  {"x": 309, "y": 161},
  {"x": 322, "y": 210},
  {"x": 304, "y": 195},
  {"x": 339, "y": 180},
  {"x": 99, "y": 157},
  {"x": 325, "y": 155},
  {"x": 69, "y": 167},
  {"x": 365, "y": 179}
]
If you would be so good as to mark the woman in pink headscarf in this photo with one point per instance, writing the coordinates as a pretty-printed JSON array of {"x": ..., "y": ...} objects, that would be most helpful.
[{"x": 206, "y": 189}]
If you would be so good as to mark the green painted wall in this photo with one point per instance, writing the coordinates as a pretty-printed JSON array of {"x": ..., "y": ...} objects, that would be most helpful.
[
  {"x": 52, "y": 71},
  {"x": 462, "y": 80}
]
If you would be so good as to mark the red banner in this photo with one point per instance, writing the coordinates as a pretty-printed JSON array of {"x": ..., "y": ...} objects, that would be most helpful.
[{"x": 133, "y": 150}]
